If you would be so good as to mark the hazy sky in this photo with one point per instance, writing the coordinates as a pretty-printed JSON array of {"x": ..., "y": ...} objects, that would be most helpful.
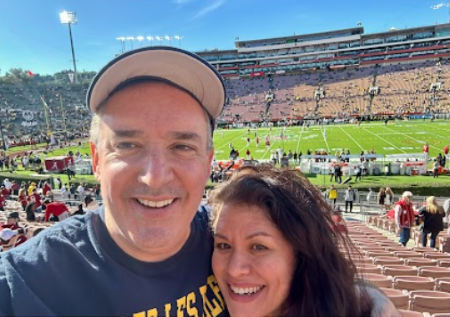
[{"x": 32, "y": 37}]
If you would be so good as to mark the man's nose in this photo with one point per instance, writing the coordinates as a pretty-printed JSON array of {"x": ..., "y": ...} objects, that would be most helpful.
[{"x": 156, "y": 169}]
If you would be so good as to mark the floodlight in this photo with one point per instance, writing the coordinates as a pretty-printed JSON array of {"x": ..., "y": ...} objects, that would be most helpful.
[
  {"x": 70, "y": 18},
  {"x": 67, "y": 17},
  {"x": 179, "y": 38}
]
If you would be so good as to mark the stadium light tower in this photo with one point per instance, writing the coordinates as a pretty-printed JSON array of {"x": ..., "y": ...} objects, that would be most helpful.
[
  {"x": 122, "y": 43},
  {"x": 131, "y": 39},
  {"x": 70, "y": 18},
  {"x": 150, "y": 38},
  {"x": 160, "y": 39},
  {"x": 168, "y": 38},
  {"x": 140, "y": 38},
  {"x": 179, "y": 38}
]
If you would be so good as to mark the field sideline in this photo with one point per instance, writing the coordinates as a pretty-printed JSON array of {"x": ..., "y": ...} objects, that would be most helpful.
[{"x": 395, "y": 138}]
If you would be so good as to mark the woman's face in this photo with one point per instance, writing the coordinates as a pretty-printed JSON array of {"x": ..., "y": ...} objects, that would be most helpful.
[{"x": 252, "y": 261}]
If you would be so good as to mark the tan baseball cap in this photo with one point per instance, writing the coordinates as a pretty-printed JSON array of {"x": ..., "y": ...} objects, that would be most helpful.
[{"x": 179, "y": 67}]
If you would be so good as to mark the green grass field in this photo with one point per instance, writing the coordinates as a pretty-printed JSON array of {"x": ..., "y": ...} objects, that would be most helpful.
[{"x": 395, "y": 138}]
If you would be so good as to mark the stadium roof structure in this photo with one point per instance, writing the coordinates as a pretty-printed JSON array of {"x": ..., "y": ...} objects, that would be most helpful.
[
  {"x": 304, "y": 37},
  {"x": 336, "y": 49}
]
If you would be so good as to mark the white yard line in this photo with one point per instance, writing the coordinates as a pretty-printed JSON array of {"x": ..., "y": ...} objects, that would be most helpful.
[
  {"x": 419, "y": 141},
  {"x": 352, "y": 139},
  {"x": 300, "y": 137},
  {"x": 436, "y": 135},
  {"x": 271, "y": 144},
  {"x": 385, "y": 140},
  {"x": 325, "y": 139},
  {"x": 227, "y": 144}
]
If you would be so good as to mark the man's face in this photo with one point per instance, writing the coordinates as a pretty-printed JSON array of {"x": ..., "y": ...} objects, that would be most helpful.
[
  {"x": 152, "y": 163},
  {"x": 12, "y": 221}
]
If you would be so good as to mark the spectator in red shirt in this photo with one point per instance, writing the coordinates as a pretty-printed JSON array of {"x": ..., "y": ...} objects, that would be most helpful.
[
  {"x": 35, "y": 197},
  {"x": 12, "y": 222},
  {"x": 57, "y": 209},
  {"x": 15, "y": 187},
  {"x": 46, "y": 188},
  {"x": 11, "y": 238},
  {"x": 2, "y": 201},
  {"x": 4, "y": 191}
]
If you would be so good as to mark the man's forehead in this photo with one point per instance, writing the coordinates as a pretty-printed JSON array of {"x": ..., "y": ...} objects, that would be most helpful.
[{"x": 158, "y": 91}]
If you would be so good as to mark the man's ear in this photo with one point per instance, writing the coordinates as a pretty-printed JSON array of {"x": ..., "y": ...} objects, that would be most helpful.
[{"x": 95, "y": 164}]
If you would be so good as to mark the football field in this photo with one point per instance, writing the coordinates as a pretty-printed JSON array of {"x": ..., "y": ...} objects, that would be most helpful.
[{"x": 394, "y": 138}]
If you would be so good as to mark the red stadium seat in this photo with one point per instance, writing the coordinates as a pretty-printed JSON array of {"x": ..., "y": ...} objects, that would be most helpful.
[
  {"x": 412, "y": 283},
  {"x": 429, "y": 301},
  {"x": 398, "y": 297}
]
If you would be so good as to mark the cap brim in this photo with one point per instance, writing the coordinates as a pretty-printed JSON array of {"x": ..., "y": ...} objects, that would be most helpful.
[{"x": 180, "y": 67}]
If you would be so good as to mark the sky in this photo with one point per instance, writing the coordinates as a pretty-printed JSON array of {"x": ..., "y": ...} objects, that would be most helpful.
[{"x": 32, "y": 37}]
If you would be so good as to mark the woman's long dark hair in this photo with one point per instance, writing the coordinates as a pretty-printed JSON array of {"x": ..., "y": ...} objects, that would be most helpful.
[{"x": 324, "y": 280}]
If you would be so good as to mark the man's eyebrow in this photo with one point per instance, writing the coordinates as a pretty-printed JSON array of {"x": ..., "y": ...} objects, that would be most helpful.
[
  {"x": 127, "y": 133},
  {"x": 184, "y": 135}
]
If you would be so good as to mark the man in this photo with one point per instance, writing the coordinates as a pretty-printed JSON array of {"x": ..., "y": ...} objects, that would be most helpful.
[
  {"x": 7, "y": 184},
  {"x": 80, "y": 191},
  {"x": 338, "y": 173},
  {"x": 58, "y": 210},
  {"x": 4, "y": 191},
  {"x": 350, "y": 197},
  {"x": 426, "y": 150},
  {"x": 146, "y": 252},
  {"x": 404, "y": 217},
  {"x": 436, "y": 168},
  {"x": 12, "y": 223},
  {"x": 10, "y": 238},
  {"x": 64, "y": 191},
  {"x": 358, "y": 173},
  {"x": 15, "y": 188}
]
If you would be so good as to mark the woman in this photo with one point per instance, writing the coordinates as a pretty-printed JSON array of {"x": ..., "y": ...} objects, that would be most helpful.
[
  {"x": 30, "y": 210},
  {"x": 389, "y": 198},
  {"x": 90, "y": 204},
  {"x": 276, "y": 249},
  {"x": 332, "y": 194},
  {"x": 22, "y": 198},
  {"x": 432, "y": 215},
  {"x": 381, "y": 198}
]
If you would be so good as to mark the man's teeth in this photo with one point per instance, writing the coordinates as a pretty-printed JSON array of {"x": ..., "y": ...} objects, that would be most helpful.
[
  {"x": 155, "y": 204},
  {"x": 246, "y": 290}
]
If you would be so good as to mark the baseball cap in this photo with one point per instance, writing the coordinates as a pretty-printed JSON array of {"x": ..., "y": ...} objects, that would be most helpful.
[
  {"x": 170, "y": 64},
  {"x": 13, "y": 214},
  {"x": 7, "y": 234},
  {"x": 407, "y": 194}
]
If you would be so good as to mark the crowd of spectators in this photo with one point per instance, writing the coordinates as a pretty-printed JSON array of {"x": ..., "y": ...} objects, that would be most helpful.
[
  {"x": 403, "y": 88},
  {"x": 28, "y": 208}
]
